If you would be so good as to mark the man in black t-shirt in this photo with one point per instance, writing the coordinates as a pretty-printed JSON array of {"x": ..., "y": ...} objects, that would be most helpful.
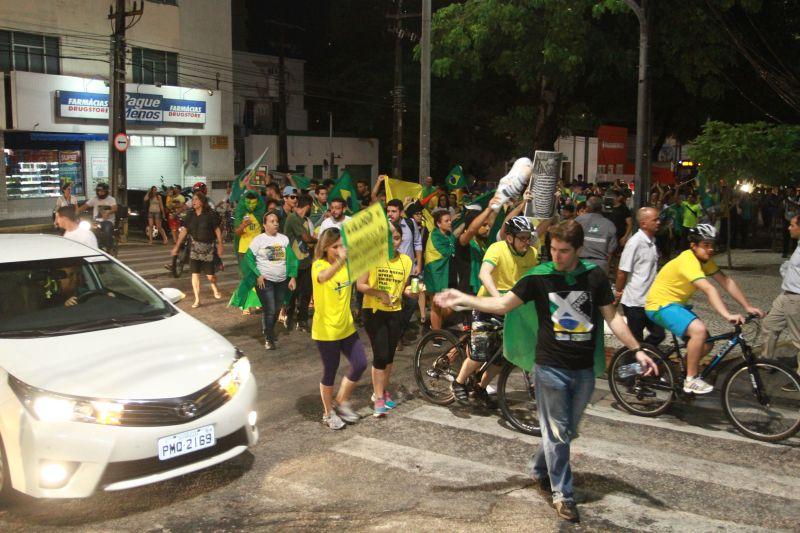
[{"x": 572, "y": 298}]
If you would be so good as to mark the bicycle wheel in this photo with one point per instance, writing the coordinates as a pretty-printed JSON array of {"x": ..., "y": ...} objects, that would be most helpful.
[
  {"x": 517, "y": 399},
  {"x": 639, "y": 395},
  {"x": 179, "y": 262},
  {"x": 436, "y": 367},
  {"x": 771, "y": 413}
]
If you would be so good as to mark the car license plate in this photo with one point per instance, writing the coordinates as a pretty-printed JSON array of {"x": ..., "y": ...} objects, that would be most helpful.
[{"x": 185, "y": 442}]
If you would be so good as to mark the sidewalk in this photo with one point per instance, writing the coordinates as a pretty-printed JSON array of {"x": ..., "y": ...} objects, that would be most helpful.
[{"x": 27, "y": 225}]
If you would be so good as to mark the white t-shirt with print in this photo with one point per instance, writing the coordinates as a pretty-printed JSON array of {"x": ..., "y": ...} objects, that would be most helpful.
[
  {"x": 96, "y": 203},
  {"x": 270, "y": 252}
]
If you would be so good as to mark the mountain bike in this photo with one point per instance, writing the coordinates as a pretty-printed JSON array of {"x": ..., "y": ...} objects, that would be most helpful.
[
  {"x": 438, "y": 359},
  {"x": 760, "y": 397}
]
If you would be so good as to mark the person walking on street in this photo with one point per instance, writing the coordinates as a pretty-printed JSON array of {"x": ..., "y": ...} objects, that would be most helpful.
[
  {"x": 439, "y": 273},
  {"x": 66, "y": 197},
  {"x": 301, "y": 241},
  {"x": 202, "y": 224},
  {"x": 600, "y": 235},
  {"x": 269, "y": 266},
  {"x": 791, "y": 208},
  {"x": 560, "y": 331},
  {"x": 67, "y": 220},
  {"x": 174, "y": 207},
  {"x": 337, "y": 216},
  {"x": 785, "y": 311},
  {"x": 637, "y": 270},
  {"x": 333, "y": 329},
  {"x": 384, "y": 287},
  {"x": 155, "y": 214}
]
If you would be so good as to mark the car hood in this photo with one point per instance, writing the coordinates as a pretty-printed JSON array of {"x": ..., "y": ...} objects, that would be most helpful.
[{"x": 165, "y": 358}]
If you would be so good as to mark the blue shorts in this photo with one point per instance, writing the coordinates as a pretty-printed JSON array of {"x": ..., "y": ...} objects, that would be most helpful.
[{"x": 674, "y": 317}]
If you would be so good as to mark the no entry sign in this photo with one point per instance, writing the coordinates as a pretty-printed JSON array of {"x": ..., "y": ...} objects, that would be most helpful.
[{"x": 121, "y": 142}]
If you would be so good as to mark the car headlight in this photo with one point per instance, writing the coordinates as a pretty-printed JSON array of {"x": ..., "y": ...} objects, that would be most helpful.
[
  {"x": 235, "y": 377},
  {"x": 49, "y": 407}
]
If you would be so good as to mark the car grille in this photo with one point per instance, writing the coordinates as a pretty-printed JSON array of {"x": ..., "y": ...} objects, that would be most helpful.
[
  {"x": 173, "y": 411},
  {"x": 125, "y": 470}
]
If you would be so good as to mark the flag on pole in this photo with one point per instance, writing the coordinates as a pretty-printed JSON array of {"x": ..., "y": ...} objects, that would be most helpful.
[
  {"x": 302, "y": 182},
  {"x": 243, "y": 178},
  {"x": 345, "y": 189},
  {"x": 401, "y": 189},
  {"x": 455, "y": 180}
]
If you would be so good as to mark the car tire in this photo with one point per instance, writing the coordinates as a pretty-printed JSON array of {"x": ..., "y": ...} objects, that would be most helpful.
[{"x": 6, "y": 491}]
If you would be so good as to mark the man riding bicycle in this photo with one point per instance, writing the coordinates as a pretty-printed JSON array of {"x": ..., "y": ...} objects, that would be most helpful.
[
  {"x": 666, "y": 302},
  {"x": 503, "y": 265}
]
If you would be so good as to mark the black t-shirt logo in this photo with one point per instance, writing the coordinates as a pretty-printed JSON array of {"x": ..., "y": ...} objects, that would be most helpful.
[{"x": 571, "y": 311}]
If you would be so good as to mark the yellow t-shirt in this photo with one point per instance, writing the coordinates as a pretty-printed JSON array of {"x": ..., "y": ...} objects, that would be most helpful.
[
  {"x": 333, "y": 320},
  {"x": 392, "y": 278},
  {"x": 509, "y": 266},
  {"x": 673, "y": 284},
  {"x": 252, "y": 230}
]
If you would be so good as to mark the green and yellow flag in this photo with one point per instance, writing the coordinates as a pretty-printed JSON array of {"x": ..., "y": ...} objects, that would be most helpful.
[
  {"x": 345, "y": 189},
  {"x": 455, "y": 180},
  {"x": 438, "y": 252},
  {"x": 521, "y": 326},
  {"x": 243, "y": 178}
]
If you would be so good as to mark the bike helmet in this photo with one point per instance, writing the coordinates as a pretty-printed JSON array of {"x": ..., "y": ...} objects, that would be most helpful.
[
  {"x": 518, "y": 224},
  {"x": 199, "y": 186},
  {"x": 103, "y": 186},
  {"x": 703, "y": 232}
]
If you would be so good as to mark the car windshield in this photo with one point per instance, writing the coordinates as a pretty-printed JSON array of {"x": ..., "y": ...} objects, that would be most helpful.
[{"x": 72, "y": 295}]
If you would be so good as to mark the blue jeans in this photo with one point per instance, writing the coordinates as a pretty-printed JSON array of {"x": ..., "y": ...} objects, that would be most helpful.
[
  {"x": 561, "y": 397},
  {"x": 271, "y": 297}
]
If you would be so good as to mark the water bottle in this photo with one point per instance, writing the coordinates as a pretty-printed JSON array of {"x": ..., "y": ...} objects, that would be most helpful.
[{"x": 629, "y": 370}]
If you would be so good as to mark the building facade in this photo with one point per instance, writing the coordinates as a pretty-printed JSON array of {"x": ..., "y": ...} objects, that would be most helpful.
[
  {"x": 256, "y": 101},
  {"x": 54, "y": 59}
]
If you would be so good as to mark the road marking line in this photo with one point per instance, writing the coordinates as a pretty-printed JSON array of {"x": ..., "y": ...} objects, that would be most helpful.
[
  {"x": 683, "y": 466},
  {"x": 671, "y": 423},
  {"x": 621, "y": 510}
]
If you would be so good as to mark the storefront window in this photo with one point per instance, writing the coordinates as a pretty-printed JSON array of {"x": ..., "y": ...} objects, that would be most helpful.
[{"x": 39, "y": 173}]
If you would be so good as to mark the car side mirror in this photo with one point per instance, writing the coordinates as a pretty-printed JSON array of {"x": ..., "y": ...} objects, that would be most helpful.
[{"x": 173, "y": 295}]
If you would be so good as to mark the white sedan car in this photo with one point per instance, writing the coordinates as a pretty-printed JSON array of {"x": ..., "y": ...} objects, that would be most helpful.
[{"x": 104, "y": 383}]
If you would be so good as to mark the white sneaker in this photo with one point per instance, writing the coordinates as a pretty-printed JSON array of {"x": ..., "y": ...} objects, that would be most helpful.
[
  {"x": 697, "y": 386},
  {"x": 332, "y": 421},
  {"x": 346, "y": 413}
]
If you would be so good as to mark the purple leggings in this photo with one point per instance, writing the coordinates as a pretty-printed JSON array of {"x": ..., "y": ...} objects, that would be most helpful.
[{"x": 352, "y": 349}]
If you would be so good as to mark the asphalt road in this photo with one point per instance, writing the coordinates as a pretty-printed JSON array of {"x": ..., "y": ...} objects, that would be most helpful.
[{"x": 430, "y": 468}]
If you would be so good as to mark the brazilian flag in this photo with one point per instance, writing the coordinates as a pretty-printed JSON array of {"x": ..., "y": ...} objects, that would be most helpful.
[
  {"x": 302, "y": 182},
  {"x": 345, "y": 188},
  {"x": 438, "y": 252},
  {"x": 455, "y": 180},
  {"x": 521, "y": 326}
]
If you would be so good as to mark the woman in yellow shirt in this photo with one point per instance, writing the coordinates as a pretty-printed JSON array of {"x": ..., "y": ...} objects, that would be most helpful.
[
  {"x": 333, "y": 329},
  {"x": 383, "y": 289}
]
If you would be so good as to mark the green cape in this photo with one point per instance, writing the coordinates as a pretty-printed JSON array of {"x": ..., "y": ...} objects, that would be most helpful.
[
  {"x": 476, "y": 253},
  {"x": 520, "y": 332},
  {"x": 438, "y": 251},
  {"x": 241, "y": 211},
  {"x": 250, "y": 273}
]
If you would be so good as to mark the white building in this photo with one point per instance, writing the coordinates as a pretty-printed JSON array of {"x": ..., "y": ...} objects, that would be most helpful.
[
  {"x": 54, "y": 58},
  {"x": 256, "y": 110}
]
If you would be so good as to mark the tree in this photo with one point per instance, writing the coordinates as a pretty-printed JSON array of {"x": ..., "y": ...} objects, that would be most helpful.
[{"x": 759, "y": 152}]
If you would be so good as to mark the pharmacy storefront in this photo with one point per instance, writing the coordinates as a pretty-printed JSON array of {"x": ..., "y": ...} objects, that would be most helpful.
[{"x": 58, "y": 133}]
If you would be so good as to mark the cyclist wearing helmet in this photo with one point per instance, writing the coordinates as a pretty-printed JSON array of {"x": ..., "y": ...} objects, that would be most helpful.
[
  {"x": 666, "y": 302},
  {"x": 504, "y": 263},
  {"x": 104, "y": 208}
]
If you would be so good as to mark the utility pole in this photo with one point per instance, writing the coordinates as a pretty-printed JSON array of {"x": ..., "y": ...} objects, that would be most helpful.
[
  {"x": 283, "y": 145},
  {"x": 116, "y": 95},
  {"x": 425, "y": 95},
  {"x": 398, "y": 96},
  {"x": 641, "y": 9}
]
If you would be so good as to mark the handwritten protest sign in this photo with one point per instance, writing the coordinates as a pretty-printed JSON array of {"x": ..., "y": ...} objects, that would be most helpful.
[{"x": 366, "y": 237}]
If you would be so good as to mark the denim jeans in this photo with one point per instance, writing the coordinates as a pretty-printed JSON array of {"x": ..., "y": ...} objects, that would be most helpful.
[
  {"x": 271, "y": 297},
  {"x": 561, "y": 397},
  {"x": 105, "y": 234}
]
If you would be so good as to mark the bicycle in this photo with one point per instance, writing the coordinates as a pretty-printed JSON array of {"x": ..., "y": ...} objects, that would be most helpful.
[
  {"x": 180, "y": 260},
  {"x": 760, "y": 397},
  {"x": 436, "y": 367}
]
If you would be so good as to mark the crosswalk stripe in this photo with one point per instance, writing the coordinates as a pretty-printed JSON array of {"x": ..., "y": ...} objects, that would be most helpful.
[
  {"x": 673, "y": 424},
  {"x": 620, "y": 510},
  {"x": 683, "y": 466}
]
